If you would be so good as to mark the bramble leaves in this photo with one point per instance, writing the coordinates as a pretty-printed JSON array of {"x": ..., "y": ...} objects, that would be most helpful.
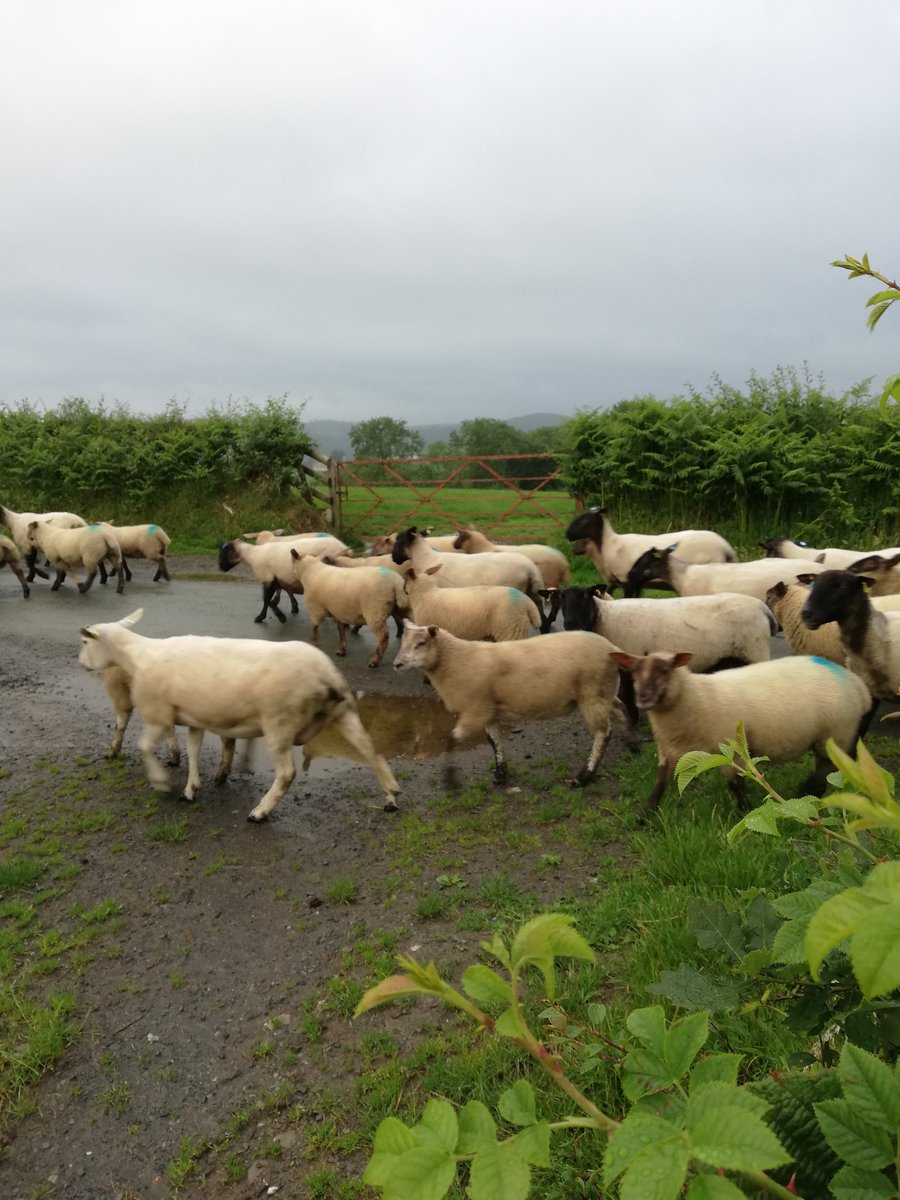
[{"x": 870, "y": 917}]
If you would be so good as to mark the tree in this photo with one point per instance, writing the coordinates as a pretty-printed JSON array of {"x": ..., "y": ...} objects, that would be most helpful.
[
  {"x": 385, "y": 437},
  {"x": 487, "y": 435}
]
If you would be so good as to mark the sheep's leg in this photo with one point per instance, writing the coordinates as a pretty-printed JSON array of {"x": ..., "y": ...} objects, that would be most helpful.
[
  {"x": 89, "y": 579},
  {"x": 467, "y": 725},
  {"x": 17, "y": 571},
  {"x": 354, "y": 731},
  {"x": 58, "y": 581},
  {"x": 342, "y": 638},
  {"x": 597, "y": 717},
  {"x": 282, "y": 756},
  {"x": 104, "y": 574},
  {"x": 120, "y": 573},
  {"x": 31, "y": 562},
  {"x": 126, "y": 569},
  {"x": 152, "y": 735},
  {"x": 123, "y": 716},
  {"x": 501, "y": 771},
  {"x": 174, "y": 758},
  {"x": 268, "y": 593},
  {"x": 664, "y": 773},
  {"x": 162, "y": 570},
  {"x": 295, "y": 607},
  {"x": 382, "y": 639},
  {"x": 629, "y": 705},
  {"x": 817, "y": 781},
  {"x": 224, "y": 768},
  {"x": 194, "y": 742},
  {"x": 546, "y": 623}
]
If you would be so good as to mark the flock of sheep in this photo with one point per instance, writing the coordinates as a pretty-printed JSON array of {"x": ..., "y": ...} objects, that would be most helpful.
[{"x": 470, "y": 613}]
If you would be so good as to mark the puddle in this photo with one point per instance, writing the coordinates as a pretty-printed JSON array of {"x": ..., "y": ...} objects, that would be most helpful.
[{"x": 400, "y": 726}]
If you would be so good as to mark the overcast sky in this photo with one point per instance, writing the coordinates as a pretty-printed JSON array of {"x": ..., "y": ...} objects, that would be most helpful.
[{"x": 441, "y": 210}]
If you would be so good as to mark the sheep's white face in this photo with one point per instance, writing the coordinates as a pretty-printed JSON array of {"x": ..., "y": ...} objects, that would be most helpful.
[
  {"x": 416, "y": 647},
  {"x": 94, "y": 653}
]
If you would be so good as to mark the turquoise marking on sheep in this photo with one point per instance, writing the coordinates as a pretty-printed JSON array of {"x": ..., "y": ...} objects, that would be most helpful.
[
  {"x": 323, "y": 535},
  {"x": 826, "y": 662},
  {"x": 515, "y": 594},
  {"x": 384, "y": 571},
  {"x": 152, "y": 528},
  {"x": 94, "y": 525}
]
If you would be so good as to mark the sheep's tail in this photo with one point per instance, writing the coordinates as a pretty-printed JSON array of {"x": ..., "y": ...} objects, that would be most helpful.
[{"x": 113, "y": 549}]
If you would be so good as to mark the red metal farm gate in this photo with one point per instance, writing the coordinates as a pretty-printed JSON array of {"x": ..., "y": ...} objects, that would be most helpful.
[{"x": 521, "y": 492}]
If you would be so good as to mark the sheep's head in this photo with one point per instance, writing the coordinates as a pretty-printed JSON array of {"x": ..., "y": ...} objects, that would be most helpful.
[
  {"x": 383, "y": 545},
  {"x": 651, "y": 674},
  {"x": 652, "y": 564},
  {"x": 229, "y": 556},
  {"x": 578, "y": 608},
  {"x": 418, "y": 647},
  {"x": 832, "y": 597},
  {"x": 96, "y": 652},
  {"x": 32, "y": 532},
  {"x": 589, "y": 524},
  {"x": 401, "y": 547}
]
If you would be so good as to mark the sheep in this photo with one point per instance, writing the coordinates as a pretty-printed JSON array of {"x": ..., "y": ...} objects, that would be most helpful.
[
  {"x": 140, "y": 541},
  {"x": 461, "y": 570},
  {"x": 882, "y": 569},
  {"x": 786, "y": 601},
  {"x": 473, "y": 613},
  {"x": 444, "y": 543},
  {"x": 484, "y": 682},
  {"x": 83, "y": 547},
  {"x": 271, "y": 564},
  {"x": 10, "y": 557},
  {"x": 724, "y": 630},
  {"x": 703, "y": 579},
  {"x": 350, "y": 597},
  {"x": 552, "y": 564},
  {"x": 17, "y": 524},
  {"x": 614, "y": 554},
  {"x": 284, "y": 692},
  {"x": 870, "y": 639},
  {"x": 117, "y": 685},
  {"x": 788, "y": 706},
  {"x": 831, "y": 556}
]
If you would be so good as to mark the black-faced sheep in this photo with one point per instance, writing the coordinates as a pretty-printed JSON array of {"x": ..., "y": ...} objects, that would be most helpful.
[
  {"x": 272, "y": 565},
  {"x": 705, "y": 579},
  {"x": 832, "y": 556}
]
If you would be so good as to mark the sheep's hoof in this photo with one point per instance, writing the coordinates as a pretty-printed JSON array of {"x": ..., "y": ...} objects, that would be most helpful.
[
  {"x": 391, "y": 805},
  {"x": 259, "y": 620},
  {"x": 174, "y": 760},
  {"x": 501, "y": 774},
  {"x": 120, "y": 591},
  {"x": 186, "y": 795},
  {"x": 256, "y": 817},
  {"x": 451, "y": 779},
  {"x": 26, "y": 592},
  {"x": 164, "y": 789},
  {"x": 219, "y": 780},
  {"x": 340, "y": 654},
  {"x": 373, "y": 662}
]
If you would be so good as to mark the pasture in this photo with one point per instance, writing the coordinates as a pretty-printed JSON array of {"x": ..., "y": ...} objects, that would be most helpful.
[{"x": 177, "y": 985}]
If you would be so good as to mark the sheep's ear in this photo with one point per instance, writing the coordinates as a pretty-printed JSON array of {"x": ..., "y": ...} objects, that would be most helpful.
[
  {"x": 433, "y": 570},
  {"x": 294, "y": 553},
  {"x": 249, "y": 537},
  {"x": 132, "y": 618},
  {"x": 462, "y": 535},
  {"x": 806, "y": 577},
  {"x": 326, "y": 558},
  {"x": 682, "y": 659},
  {"x": 88, "y": 633},
  {"x": 820, "y": 558},
  {"x": 410, "y": 574},
  {"x": 628, "y": 661},
  {"x": 892, "y": 561},
  {"x": 278, "y": 532},
  {"x": 548, "y": 593},
  {"x": 779, "y": 589},
  {"x": 867, "y": 581},
  {"x": 600, "y": 589},
  {"x": 432, "y": 631}
]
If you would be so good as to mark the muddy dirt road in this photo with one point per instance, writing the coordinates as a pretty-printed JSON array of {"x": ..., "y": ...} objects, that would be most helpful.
[{"x": 211, "y": 966}]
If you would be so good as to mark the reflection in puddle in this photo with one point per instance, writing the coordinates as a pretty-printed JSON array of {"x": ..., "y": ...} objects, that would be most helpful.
[{"x": 400, "y": 726}]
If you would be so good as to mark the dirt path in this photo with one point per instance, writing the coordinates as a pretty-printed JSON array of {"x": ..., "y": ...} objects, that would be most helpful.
[{"x": 212, "y": 964}]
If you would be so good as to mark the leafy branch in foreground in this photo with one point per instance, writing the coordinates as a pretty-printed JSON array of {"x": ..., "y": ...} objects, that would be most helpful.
[
  {"x": 689, "y": 1122},
  {"x": 878, "y": 304}
]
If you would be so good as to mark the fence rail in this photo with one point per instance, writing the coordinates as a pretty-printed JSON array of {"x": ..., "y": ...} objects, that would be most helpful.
[{"x": 521, "y": 492}]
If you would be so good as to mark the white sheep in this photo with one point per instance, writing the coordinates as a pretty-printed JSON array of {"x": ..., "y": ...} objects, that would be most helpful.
[
  {"x": 870, "y": 639},
  {"x": 10, "y": 557},
  {"x": 284, "y": 692},
  {"x": 552, "y": 563},
  {"x": 484, "y": 683},
  {"x": 724, "y": 630},
  {"x": 788, "y": 706},
  {"x": 271, "y": 564},
  {"x": 140, "y": 541},
  {"x": 117, "y": 685},
  {"x": 500, "y": 613},
  {"x": 884, "y": 571},
  {"x": 704, "y": 579},
  {"x": 17, "y": 524},
  {"x": 463, "y": 570},
  {"x": 82, "y": 547},
  {"x": 350, "y": 598},
  {"x": 445, "y": 543},
  {"x": 614, "y": 554},
  {"x": 832, "y": 556}
]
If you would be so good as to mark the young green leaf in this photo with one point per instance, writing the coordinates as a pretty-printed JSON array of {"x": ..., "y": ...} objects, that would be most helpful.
[
  {"x": 486, "y": 986},
  {"x": 714, "y": 1187},
  {"x": 738, "y": 1140},
  {"x": 477, "y": 1128},
  {"x": 832, "y": 923},
  {"x": 499, "y": 1173},
  {"x": 516, "y": 1104},
  {"x": 639, "y": 1134},
  {"x": 870, "y": 1087},
  {"x": 875, "y": 952},
  {"x": 852, "y": 1138},
  {"x": 694, "y": 763},
  {"x": 852, "y": 1183}
]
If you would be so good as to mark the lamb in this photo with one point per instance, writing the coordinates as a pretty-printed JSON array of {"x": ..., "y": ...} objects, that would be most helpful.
[
  {"x": 10, "y": 557},
  {"x": 703, "y": 579},
  {"x": 284, "y": 692},
  {"x": 473, "y": 613},
  {"x": 140, "y": 541},
  {"x": 552, "y": 564},
  {"x": 831, "y": 556},
  {"x": 870, "y": 639},
  {"x": 17, "y": 524},
  {"x": 350, "y": 597},
  {"x": 724, "y": 630},
  {"x": 85, "y": 547},
  {"x": 484, "y": 683},
  {"x": 271, "y": 564},
  {"x": 882, "y": 569},
  {"x": 788, "y": 706},
  {"x": 461, "y": 570},
  {"x": 614, "y": 554},
  {"x": 444, "y": 543}
]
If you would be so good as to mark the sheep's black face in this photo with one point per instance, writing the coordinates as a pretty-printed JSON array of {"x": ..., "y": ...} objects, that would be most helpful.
[
  {"x": 772, "y": 547},
  {"x": 588, "y": 524},
  {"x": 652, "y": 564},
  {"x": 400, "y": 552},
  {"x": 578, "y": 608},
  {"x": 831, "y": 598},
  {"x": 227, "y": 557}
]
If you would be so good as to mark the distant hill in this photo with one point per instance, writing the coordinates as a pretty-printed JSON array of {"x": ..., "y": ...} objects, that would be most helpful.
[{"x": 333, "y": 437}]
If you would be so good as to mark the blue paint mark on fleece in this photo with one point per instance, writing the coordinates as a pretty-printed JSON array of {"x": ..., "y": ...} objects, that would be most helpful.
[
  {"x": 152, "y": 528},
  {"x": 515, "y": 594},
  {"x": 94, "y": 525},
  {"x": 323, "y": 535},
  {"x": 385, "y": 571},
  {"x": 826, "y": 662}
]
